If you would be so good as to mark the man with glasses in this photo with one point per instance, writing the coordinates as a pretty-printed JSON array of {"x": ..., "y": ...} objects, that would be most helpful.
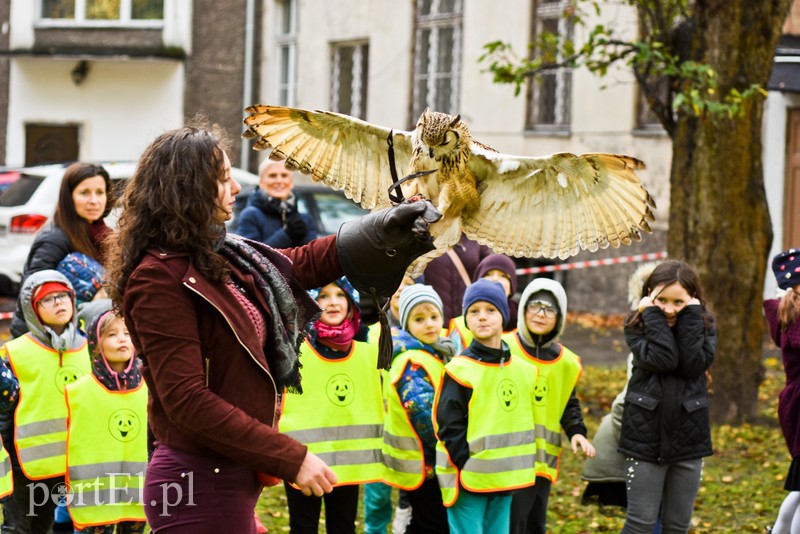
[{"x": 540, "y": 322}]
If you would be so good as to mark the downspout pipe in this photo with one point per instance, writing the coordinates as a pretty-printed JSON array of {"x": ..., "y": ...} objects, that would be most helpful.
[{"x": 247, "y": 89}]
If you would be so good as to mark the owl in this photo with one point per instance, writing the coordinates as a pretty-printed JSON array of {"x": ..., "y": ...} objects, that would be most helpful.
[{"x": 524, "y": 206}]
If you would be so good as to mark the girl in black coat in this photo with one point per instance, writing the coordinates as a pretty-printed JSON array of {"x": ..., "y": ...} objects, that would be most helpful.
[{"x": 665, "y": 423}]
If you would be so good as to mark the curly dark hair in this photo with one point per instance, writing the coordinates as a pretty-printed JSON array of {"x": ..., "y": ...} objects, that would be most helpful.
[
  {"x": 65, "y": 216},
  {"x": 168, "y": 204}
]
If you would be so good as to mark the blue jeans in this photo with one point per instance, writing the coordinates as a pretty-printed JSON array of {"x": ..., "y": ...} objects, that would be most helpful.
[
  {"x": 480, "y": 513},
  {"x": 673, "y": 486}
]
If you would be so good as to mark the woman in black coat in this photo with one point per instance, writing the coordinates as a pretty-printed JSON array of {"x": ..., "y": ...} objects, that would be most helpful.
[
  {"x": 665, "y": 423},
  {"x": 85, "y": 198}
]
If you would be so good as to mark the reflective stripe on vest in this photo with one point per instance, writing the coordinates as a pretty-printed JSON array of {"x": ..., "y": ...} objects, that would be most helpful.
[
  {"x": 458, "y": 332},
  {"x": 339, "y": 416},
  {"x": 40, "y": 418},
  {"x": 106, "y": 452},
  {"x": 6, "y": 479},
  {"x": 403, "y": 453},
  {"x": 556, "y": 381},
  {"x": 500, "y": 429}
]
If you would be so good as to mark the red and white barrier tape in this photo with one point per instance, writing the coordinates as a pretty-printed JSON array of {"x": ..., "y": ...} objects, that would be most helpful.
[
  {"x": 6, "y": 316},
  {"x": 593, "y": 263}
]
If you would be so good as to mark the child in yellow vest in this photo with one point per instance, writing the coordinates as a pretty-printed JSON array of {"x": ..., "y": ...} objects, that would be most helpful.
[
  {"x": 540, "y": 321},
  {"x": 47, "y": 358},
  {"x": 107, "y": 425},
  {"x": 409, "y": 448},
  {"x": 498, "y": 268},
  {"x": 339, "y": 415},
  {"x": 484, "y": 420}
]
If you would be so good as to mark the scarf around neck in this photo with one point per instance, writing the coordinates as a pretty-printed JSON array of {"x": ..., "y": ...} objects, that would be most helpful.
[{"x": 291, "y": 308}]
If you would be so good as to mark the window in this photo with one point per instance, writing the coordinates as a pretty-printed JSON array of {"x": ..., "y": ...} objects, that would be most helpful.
[
  {"x": 88, "y": 12},
  {"x": 51, "y": 143},
  {"x": 549, "y": 92},
  {"x": 437, "y": 56},
  {"x": 286, "y": 45},
  {"x": 349, "y": 75}
]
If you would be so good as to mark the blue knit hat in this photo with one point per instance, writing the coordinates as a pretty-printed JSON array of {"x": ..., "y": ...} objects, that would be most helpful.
[
  {"x": 786, "y": 267},
  {"x": 417, "y": 294},
  {"x": 487, "y": 291},
  {"x": 346, "y": 286}
]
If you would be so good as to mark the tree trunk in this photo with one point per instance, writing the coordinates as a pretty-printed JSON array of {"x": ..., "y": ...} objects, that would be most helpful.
[{"x": 718, "y": 220}]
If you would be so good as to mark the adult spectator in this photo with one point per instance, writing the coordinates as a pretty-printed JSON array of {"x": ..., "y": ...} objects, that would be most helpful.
[
  {"x": 451, "y": 273},
  {"x": 84, "y": 200},
  {"x": 217, "y": 321},
  {"x": 271, "y": 215}
]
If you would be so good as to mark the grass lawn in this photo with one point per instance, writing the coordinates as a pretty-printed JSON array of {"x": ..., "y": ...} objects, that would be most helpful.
[{"x": 742, "y": 486}]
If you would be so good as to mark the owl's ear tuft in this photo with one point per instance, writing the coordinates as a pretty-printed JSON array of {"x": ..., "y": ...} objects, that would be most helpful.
[{"x": 456, "y": 120}]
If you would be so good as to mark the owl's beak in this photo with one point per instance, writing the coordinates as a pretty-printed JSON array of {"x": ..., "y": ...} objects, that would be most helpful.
[{"x": 430, "y": 151}]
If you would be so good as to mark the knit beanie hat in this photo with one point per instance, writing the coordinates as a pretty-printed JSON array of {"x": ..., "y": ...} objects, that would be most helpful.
[
  {"x": 487, "y": 291},
  {"x": 417, "y": 294},
  {"x": 345, "y": 285},
  {"x": 544, "y": 297},
  {"x": 47, "y": 288},
  {"x": 786, "y": 267},
  {"x": 501, "y": 262}
]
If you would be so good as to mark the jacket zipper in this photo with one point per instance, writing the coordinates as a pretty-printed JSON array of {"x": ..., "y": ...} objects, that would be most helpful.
[{"x": 208, "y": 360}]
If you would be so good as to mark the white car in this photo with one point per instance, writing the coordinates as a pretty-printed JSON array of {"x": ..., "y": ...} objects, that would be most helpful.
[{"x": 27, "y": 204}]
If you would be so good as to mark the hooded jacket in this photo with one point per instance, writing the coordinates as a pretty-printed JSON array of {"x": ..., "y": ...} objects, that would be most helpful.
[
  {"x": 264, "y": 217},
  {"x": 547, "y": 348},
  {"x": 69, "y": 339},
  {"x": 666, "y": 415}
]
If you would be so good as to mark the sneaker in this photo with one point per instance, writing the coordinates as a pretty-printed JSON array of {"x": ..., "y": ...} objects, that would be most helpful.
[
  {"x": 768, "y": 529},
  {"x": 402, "y": 517}
]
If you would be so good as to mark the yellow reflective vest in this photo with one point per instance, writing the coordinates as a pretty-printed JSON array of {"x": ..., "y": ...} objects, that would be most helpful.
[
  {"x": 339, "y": 416},
  {"x": 557, "y": 378},
  {"x": 6, "y": 479},
  {"x": 403, "y": 453},
  {"x": 500, "y": 429},
  {"x": 40, "y": 420},
  {"x": 106, "y": 452}
]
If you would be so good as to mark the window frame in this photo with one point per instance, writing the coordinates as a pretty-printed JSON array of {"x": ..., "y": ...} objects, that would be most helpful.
[
  {"x": 562, "y": 97},
  {"x": 359, "y": 75},
  {"x": 80, "y": 20},
  {"x": 435, "y": 22},
  {"x": 286, "y": 41}
]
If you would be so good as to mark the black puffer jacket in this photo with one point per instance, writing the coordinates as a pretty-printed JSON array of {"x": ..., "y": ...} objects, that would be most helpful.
[
  {"x": 49, "y": 247},
  {"x": 665, "y": 418}
]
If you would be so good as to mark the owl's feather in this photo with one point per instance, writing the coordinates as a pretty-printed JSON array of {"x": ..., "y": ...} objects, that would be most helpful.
[{"x": 551, "y": 206}]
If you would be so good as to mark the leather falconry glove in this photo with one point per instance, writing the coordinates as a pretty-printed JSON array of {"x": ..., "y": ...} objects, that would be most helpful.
[{"x": 376, "y": 249}]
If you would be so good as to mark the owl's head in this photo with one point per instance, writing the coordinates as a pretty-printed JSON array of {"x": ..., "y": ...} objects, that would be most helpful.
[{"x": 441, "y": 132}]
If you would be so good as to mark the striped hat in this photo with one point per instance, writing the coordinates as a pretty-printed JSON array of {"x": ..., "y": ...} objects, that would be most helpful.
[{"x": 417, "y": 294}]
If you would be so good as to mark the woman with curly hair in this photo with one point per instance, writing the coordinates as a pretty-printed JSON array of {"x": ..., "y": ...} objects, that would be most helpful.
[
  {"x": 218, "y": 321},
  {"x": 78, "y": 225}
]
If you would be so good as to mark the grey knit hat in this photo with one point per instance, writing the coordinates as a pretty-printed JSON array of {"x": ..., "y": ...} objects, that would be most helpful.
[{"x": 417, "y": 294}]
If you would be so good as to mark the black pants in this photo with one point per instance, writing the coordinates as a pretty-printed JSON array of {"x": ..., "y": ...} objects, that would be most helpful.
[
  {"x": 429, "y": 515},
  {"x": 31, "y": 508},
  {"x": 341, "y": 507},
  {"x": 529, "y": 508}
]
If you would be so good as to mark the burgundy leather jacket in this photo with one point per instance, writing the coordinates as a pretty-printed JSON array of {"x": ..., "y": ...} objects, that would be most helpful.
[{"x": 211, "y": 392}]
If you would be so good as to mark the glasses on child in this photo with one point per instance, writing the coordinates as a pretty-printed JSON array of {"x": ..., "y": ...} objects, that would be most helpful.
[
  {"x": 536, "y": 307},
  {"x": 50, "y": 300}
]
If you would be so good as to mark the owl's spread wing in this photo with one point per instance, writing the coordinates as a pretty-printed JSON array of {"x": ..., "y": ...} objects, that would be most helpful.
[
  {"x": 554, "y": 206},
  {"x": 343, "y": 152}
]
